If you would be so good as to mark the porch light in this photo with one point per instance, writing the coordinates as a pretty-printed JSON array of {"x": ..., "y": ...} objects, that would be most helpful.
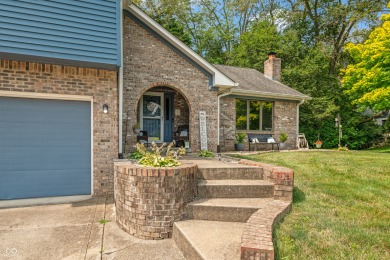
[{"x": 105, "y": 108}]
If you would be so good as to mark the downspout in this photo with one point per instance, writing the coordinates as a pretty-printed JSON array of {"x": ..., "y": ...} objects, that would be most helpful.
[
  {"x": 120, "y": 82},
  {"x": 300, "y": 103},
  {"x": 219, "y": 117}
]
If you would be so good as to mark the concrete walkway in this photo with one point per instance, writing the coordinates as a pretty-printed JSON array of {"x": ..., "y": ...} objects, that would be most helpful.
[{"x": 74, "y": 231}]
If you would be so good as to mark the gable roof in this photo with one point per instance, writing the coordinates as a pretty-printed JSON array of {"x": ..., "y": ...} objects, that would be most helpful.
[
  {"x": 256, "y": 84},
  {"x": 218, "y": 78}
]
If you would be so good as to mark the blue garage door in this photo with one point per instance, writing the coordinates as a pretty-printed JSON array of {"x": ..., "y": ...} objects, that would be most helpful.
[{"x": 45, "y": 148}]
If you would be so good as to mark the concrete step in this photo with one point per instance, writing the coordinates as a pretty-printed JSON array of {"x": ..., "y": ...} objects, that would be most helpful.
[
  {"x": 211, "y": 240},
  {"x": 235, "y": 189},
  {"x": 234, "y": 172},
  {"x": 230, "y": 210}
]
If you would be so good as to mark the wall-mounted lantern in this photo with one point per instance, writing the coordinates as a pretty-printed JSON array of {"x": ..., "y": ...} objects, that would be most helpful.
[{"x": 105, "y": 108}]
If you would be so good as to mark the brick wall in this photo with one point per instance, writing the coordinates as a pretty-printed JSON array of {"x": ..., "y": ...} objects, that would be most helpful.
[
  {"x": 148, "y": 63},
  {"x": 228, "y": 123},
  {"x": 181, "y": 104},
  {"x": 285, "y": 120},
  {"x": 149, "y": 200},
  {"x": 68, "y": 80}
]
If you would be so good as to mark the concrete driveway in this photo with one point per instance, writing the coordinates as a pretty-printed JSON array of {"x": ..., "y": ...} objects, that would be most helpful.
[{"x": 74, "y": 231}]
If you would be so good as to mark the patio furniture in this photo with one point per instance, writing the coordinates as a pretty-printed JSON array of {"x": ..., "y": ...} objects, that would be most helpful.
[
  {"x": 143, "y": 137},
  {"x": 257, "y": 139},
  {"x": 181, "y": 135}
]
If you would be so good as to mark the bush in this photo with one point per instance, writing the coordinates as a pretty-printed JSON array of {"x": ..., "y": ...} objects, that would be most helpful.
[
  {"x": 283, "y": 137},
  {"x": 154, "y": 158},
  {"x": 135, "y": 155},
  {"x": 240, "y": 137},
  {"x": 206, "y": 153}
]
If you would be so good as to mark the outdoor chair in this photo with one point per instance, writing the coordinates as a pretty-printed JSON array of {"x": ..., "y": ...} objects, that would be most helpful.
[
  {"x": 181, "y": 135},
  {"x": 143, "y": 137}
]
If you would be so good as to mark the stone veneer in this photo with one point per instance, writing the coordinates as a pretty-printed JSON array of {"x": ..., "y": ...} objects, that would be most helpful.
[
  {"x": 148, "y": 63},
  {"x": 67, "y": 80},
  {"x": 148, "y": 200}
]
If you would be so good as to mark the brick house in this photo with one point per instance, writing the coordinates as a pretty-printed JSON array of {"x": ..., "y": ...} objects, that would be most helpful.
[
  {"x": 76, "y": 76},
  {"x": 161, "y": 70}
]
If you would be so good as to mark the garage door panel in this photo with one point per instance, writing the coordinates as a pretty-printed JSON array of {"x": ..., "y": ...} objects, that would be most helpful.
[
  {"x": 45, "y": 159},
  {"x": 45, "y": 148},
  {"x": 49, "y": 182}
]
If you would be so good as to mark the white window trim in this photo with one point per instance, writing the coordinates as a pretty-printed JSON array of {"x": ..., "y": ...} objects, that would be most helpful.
[{"x": 141, "y": 113}]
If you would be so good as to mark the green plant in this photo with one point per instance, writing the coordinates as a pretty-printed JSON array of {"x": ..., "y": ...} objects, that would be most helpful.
[
  {"x": 103, "y": 221},
  {"x": 343, "y": 148},
  {"x": 240, "y": 137},
  {"x": 155, "y": 159},
  {"x": 205, "y": 153},
  {"x": 137, "y": 126},
  {"x": 135, "y": 155},
  {"x": 283, "y": 137}
]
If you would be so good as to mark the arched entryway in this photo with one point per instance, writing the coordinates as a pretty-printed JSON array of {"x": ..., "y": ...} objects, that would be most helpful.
[{"x": 164, "y": 114}]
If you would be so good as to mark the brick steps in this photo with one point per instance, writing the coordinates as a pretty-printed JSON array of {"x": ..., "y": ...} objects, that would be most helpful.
[
  {"x": 235, "y": 189},
  {"x": 222, "y": 209},
  {"x": 200, "y": 239},
  {"x": 235, "y": 172},
  {"x": 238, "y": 204}
]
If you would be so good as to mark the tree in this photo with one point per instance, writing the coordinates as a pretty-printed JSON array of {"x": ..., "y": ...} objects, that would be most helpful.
[{"x": 367, "y": 80}]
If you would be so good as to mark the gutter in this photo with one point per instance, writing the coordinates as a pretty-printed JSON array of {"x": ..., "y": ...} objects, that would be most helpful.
[
  {"x": 264, "y": 94},
  {"x": 219, "y": 117},
  {"x": 120, "y": 96}
]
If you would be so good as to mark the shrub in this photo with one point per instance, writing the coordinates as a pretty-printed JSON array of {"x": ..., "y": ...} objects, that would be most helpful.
[
  {"x": 206, "y": 153},
  {"x": 283, "y": 137},
  {"x": 154, "y": 158},
  {"x": 136, "y": 155},
  {"x": 240, "y": 137}
]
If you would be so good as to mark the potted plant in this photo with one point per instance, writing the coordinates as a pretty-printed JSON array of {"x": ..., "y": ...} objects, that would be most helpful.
[
  {"x": 283, "y": 138},
  {"x": 137, "y": 128},
  {"x": 239, "y": 145},
  {"x": 318, "y": 143}
]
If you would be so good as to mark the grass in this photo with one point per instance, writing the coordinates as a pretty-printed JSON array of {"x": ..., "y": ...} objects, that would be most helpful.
[{"x": 341, "y": 207}]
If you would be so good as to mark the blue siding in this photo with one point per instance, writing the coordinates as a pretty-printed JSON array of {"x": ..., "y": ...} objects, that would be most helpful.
[
  {"x": 80, "y": 30},
  {"x": 45, "y": 148}
]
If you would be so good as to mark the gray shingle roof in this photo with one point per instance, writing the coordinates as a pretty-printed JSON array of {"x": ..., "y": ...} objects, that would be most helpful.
[{"x": 253, "y": 80}]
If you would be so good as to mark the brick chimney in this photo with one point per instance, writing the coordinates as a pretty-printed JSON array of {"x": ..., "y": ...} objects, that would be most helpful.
[{"x": 273, "y": 67}]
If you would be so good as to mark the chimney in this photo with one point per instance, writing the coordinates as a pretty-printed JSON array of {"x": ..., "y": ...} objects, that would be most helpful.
[{"x": 273, "y": 67}]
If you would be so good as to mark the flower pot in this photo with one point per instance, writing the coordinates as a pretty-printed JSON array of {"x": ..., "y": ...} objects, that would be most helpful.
[
  {"x": 282, "y": 146},
  {"x": 318, "y": 145},
  {"x": 239, "y": 147}
]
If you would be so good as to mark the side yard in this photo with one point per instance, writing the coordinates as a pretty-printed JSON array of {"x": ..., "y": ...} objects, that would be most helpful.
[{"x": 341, "y": 206}]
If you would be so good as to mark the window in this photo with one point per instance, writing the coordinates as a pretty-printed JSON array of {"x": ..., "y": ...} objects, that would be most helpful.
[{"x": 253, "y": 115}]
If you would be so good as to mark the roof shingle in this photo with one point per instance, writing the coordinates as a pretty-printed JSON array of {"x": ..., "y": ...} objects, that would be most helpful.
[{"x": 253, "y": 80}]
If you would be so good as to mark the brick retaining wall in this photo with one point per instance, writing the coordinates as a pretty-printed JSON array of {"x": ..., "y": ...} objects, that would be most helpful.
[
  {"x": 148, "y": 200},
  {"x": 281, "y": 177}
]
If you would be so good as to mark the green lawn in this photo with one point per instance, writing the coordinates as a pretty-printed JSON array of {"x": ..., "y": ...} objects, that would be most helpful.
[{"x": 341, "y": 206}]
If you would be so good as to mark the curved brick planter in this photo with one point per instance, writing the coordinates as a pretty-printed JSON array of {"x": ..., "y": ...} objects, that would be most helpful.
[{"x": 148, "y": 200}]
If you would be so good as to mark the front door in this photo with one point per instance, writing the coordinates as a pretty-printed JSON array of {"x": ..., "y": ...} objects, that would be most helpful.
[
  {"x": 152, "y": 116},
  {"x": 168, "y": 118}
]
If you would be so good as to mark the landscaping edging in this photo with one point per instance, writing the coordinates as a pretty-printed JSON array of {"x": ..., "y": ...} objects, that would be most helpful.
[
  {"x": 148, "y": 200},
  {"x": 256, "y": 240}
]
